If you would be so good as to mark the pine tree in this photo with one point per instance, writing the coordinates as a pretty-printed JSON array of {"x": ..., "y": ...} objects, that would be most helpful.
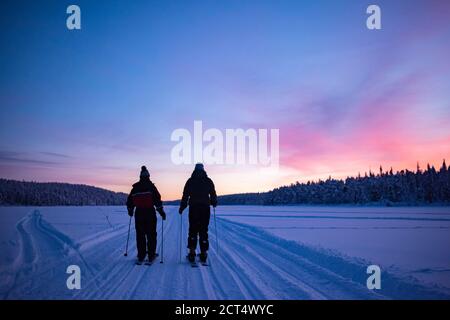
[{"x": 402, "y": 187}]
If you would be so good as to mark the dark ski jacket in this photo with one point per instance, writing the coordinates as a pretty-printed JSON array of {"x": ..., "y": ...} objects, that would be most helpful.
[
  {"x": 144, "y": 196},
  {"x": 199, "y": 190}
]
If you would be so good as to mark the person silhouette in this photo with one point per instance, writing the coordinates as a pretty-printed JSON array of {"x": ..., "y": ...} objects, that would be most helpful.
[
  {"x": 199, "y": 193},
  {"x": 145, "y": 197}
]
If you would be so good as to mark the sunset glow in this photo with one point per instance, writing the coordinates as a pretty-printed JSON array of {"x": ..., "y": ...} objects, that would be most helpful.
[{"x": 92, "y": 107}]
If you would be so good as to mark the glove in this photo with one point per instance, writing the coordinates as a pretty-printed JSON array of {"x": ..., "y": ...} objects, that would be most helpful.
[
  {"x": 162, "y": 213},
  {"x": 182, "y": 207},
  {"x": 214, "y": 204},
  {"x": 130, "y": 212}
]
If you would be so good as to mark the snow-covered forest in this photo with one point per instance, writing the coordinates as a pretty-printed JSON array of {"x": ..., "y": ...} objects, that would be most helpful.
[
  {"x": 403, "y": 187},
  {"x": 56, "y": 194}
]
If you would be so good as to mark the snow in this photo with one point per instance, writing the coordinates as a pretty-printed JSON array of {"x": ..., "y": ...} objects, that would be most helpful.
[
  {"x": 293, "y": 252},
  {"x": 408, "y": 240}
]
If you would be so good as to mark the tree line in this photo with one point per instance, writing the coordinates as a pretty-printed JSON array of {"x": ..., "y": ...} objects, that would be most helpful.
[
  {"x": 25, "y": 193},
  {"x": 405, "y": 187}
]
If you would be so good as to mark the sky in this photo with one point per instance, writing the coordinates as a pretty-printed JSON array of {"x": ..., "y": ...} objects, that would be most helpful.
[{"x": 91, "y": 106}]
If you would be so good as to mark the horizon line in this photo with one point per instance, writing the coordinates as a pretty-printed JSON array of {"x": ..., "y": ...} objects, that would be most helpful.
[{"x": 258, "y": 192}]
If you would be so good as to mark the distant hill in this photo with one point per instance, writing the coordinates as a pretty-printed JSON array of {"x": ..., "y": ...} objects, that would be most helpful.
[
  {"x": 25, "y": 193},
  {"x": 422, "y": 187}
]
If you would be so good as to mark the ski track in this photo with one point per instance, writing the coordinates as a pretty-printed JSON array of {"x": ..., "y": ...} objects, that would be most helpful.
[
  {"x": 41, "y": 249},
  {"x": 249, "y": 264}
]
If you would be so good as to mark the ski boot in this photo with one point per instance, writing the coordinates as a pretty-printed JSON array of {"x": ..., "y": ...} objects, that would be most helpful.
[
  {"x": 191, "y": 256},
  {"x": 203, "y": 257},
  {"x": 151, "y": 258}
]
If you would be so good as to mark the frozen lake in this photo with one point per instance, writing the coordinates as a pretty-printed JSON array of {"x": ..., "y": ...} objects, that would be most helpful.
[
  {"x": 414, "y": 240},
  {"x": 291, "y": 252}
]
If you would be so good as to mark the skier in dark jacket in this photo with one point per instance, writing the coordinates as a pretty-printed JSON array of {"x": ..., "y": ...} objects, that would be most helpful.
[
  {"x": 145, "y": 197},
  {"x": 199, "y": 193}
]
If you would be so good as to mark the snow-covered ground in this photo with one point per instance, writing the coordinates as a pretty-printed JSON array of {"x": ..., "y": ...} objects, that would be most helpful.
[
  {"x": 408, "y": 240},
  {"x": 264, "y": 253}
]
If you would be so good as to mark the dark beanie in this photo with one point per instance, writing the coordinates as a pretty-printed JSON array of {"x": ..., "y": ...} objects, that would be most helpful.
[
  {"x": 144, "y": 172},
  {"x": 199, "y": 166}
]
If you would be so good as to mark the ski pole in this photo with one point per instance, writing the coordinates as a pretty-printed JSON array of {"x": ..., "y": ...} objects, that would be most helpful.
[
  {"x": 162, "y": 242},
  {"x": 128, "y": 238},
  {"x": 215, "y": 226}
]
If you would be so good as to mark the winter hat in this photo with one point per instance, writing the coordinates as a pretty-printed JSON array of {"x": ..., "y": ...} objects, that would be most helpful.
[
  {"x": 144, "y": 172},
  {"x": 199, "y": 166}
]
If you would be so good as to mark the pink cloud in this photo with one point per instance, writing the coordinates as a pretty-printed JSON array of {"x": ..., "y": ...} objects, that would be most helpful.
[{"x": 382, "y": 129}]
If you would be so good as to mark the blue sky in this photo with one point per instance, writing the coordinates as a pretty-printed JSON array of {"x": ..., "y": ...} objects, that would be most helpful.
[{"x": 91, "y": 106}]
